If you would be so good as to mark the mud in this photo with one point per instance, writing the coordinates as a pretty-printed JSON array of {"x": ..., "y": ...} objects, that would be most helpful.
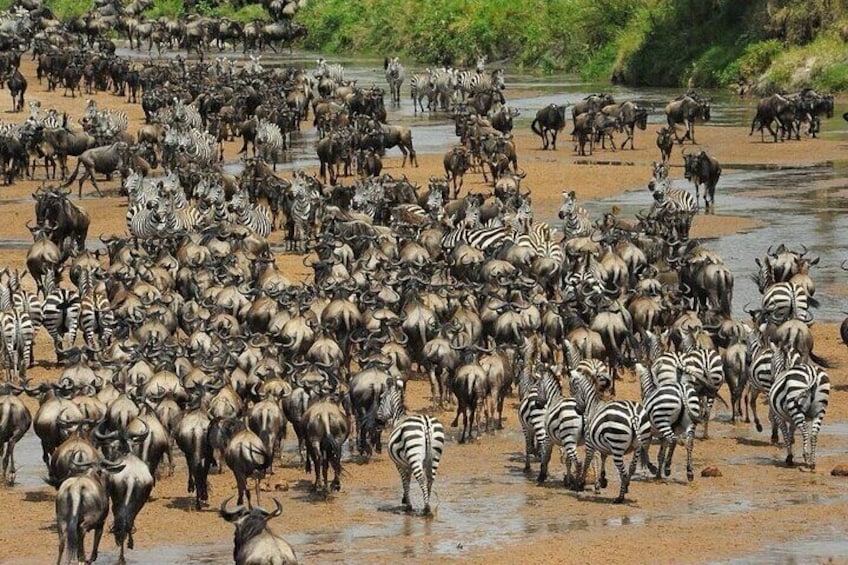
[{"x": 486, "y": 509}]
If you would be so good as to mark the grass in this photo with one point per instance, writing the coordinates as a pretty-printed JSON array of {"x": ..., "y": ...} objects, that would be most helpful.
[{"x": 69, "y": 9}]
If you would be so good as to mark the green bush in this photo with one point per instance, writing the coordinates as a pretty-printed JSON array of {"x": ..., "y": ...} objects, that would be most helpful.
[
  {"x": 165, "y": 9},
  {"x": 69, "y": 9}
]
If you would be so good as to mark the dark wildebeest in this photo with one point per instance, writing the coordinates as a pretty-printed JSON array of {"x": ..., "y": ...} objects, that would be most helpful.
[
  {"x": 664, "y": 143},
  {"x": 66, "y": 218},
  {"x": 61, "y": 143},
  {"x": 584, "y": 131},
  {"x": 770, "y": 109},
  {"x": 551, "y": 120},
  {"x": 456, "y": 162},
  {"x": 82, "y": 504},
  {"x": 253, "y": 542},
  {"x": 701, "y": 168},
  {"x": 592, "y": 103},
  {"x": 107, "y": 160},
  {"x": 14, "y": 159},
  {"x": 17, "y": 88},
  {"x": 502, "y": 118},
  {"x": 631, "y": 116},
  {"x": 401, "y": 137},
  {"x": 331, "y": 150},
  {"x": 604, "y": 127},
  {"x": 686, "y": 110}
]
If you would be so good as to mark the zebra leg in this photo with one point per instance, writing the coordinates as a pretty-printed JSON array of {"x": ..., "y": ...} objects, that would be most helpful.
[
  {"x": 672, "y": 444},
  {"x": 405, "y": 479},
  {"x": 547, "y": 448},
  {"x": 690, "y": 445},
  {"x": 814, "y": 435},
  {"x": 788, "y": 439},
  {"x": 601, "y": 480},
  {"x": 800, "y": 423},
  {"x": 753, "y": 405},
  {"x": 709, "y": 409},
  {"x": 661, "y": 459},
  {"x": 587, "y": 460},
  {"x": 618, "y": 459}
]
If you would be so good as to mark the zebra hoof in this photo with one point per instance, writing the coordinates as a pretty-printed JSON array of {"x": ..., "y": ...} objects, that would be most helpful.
[
  {"x": 540, "y": 480},
  {"x": 602, "y": 482},
  {"x": 618, "y": 500},
  {"x": 759, "y": 427},
  {"x": 789, "y": 461},
  {"x": 690, "y": 476}
]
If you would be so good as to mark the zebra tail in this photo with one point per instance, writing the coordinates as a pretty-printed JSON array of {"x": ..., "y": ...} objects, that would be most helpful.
[
  {"x": 536, "y": 130},
  {"x": 428, "y": 453}
]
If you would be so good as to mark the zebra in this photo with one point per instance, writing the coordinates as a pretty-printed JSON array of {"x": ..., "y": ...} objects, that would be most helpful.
[
  {"x": 61, "y": 314},
  {"x": 705, "y": 369},
  {"x": 255, "y": 217},
  {"x": 761, "y": 375},
  {"x": 150, "y": 221},
  {"x": 270, "y": 141},
  {"x": 483, "y": 81},
  {"x": 415, "y": 445},
  {"x": 576, "y": 222},
  {"x": 334, "y": 72},
  {"x": 485, "y": 239},
  {"x": 531, "y": 411},
  {"x": 420, "y": 86},
  {"x": 18, "y": 335},
  {"x": 395, "y": 75},
  {"x": 103, "y": 125},
  {"x": 673, "y": 409},
  {"x": 799, "y": 395},
  {"x": 96, "y": 317},
  {"x": 185, "y": 116},
  {"x": 302, "y": 213},
  {"x": 563, "y": 426},
  {"x": 444, "y": 84},
  {"x": 610, "y": 428},
  {"x": 785, "y": 301}
]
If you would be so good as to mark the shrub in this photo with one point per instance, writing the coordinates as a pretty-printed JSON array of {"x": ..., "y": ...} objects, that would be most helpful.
[{"x": 69, "y": 9}]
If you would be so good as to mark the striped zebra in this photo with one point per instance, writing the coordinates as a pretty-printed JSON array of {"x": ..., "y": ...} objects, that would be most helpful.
[
  {"x": 97, "y": 318},
  {"x": 705, "y": 369},
  {"x": 610, "y": 428},
  {"x": 419, "y": 87},
  {"x": 785, "y": 301},
  {"x": 485, "y": 239},
  {"x": 185, "y": 116},
  {"x": 531, "y": 412},
  {"x": 302, "y": 214},
  {"x": 18, "y": 336},
  {"x": 270, "y": 141},
  {"x": 798, "y": 400},
  {"x": 334, "y": 72},
  {"x": 576, "y": 222},
  {"x": 151, "y": 221},
  {"x": 61, "y": 315},
  {"x": 415, "y": 445},
  {"x": 563, "y": 427},
  {"x": 104, "y": 125},
  {"x": 255, "y": 217},
  {"x": 761, "y": 375},
  {"x": 24, "y": 301},
  {"x": 444, "y": 84},
  {"x": 395, "y": 75},
  {"x": 673, "y": 409},
  {"x": 486, "y": 81}
]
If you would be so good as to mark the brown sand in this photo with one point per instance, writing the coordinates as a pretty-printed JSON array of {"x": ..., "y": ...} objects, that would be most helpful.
[{"x": 757, "y": 504}]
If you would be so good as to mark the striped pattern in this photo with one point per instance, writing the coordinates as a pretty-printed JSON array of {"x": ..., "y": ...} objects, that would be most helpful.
[
  {"x": 96, "y": 318},
  {"x": 415, "y": 445},
  {"x": 786, "y": 301},
  {"x": 270, "y": 141},
  {"x": 798, "y": 399},
  {"x": 18, "y": 336},
  {"x": 610, "y": 428},
  {"x": 61, "y": 315}
]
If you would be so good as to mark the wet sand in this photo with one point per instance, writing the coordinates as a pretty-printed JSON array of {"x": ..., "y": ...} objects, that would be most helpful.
[{"x": 486, "y": 509}]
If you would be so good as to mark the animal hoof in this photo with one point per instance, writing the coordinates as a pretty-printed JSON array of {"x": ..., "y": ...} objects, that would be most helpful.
[
  {"x": 602, "y": 482},
  {"x": 690, "y": 476},
  {"x": 618, "y": 500},
  {"x": 759, "y": 427},
  {"x": 789, "y": 461}
]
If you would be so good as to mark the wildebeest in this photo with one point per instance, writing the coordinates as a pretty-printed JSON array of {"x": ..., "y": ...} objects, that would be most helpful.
[
  {"x": 584, "y": 131},
  {"x": 400, "y": 136},
  {"x": 253, "y": 542},
  {"x": 327, "y": 428},
  {"x": 701, "y": 168},
  {"x": 664, "y": 143},
  {"x": 15, "y": 420},
  {"x": 107, "y": 160},
  {"x": 686, "y": 110},
  {"x": 61, "y": 143},
  {"x": 630, "y": 117},
  {"x": 549, "y": 120},
  {"x": 456, "y": 162},
  {"x": 770, "y": 109},
  {"x": 66, "y": 218},
  {"x": 17, "y": 88},
  {"x": 82, "y": 504},
  {"x": 592, "y": 103}
]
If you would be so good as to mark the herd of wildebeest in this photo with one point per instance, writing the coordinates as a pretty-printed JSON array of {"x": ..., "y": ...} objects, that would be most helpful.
[{"x": 192, "y": 337}]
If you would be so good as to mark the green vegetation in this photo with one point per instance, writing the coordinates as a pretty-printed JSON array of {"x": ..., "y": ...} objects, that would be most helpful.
[
  {"x": 769, "y": 44},
  {"x": 69, "y": 9},
  {"x": 165, "y": 9},
  {"x": 243, "y": 15}
]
